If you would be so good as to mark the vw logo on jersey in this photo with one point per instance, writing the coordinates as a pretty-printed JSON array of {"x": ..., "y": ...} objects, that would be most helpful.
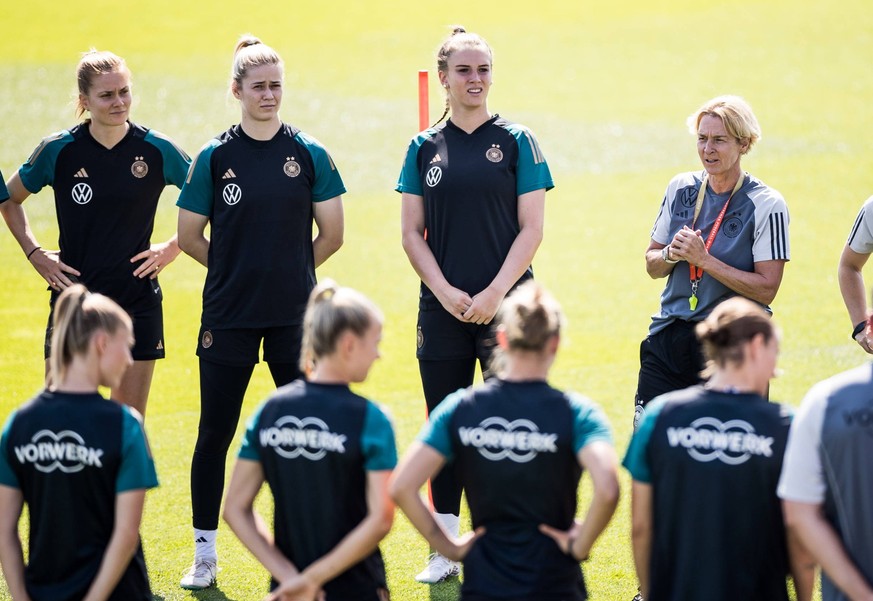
[
  {"x": 65, "y": 451},
  {"x": 732, "y": 442},
  {"x": 309, "y": 438},
  {"x": 519, "y": 440},
  {"x": 688, "y": 196},
  {"x": 434, "y": 175},
  {"x": 231, "y": 194},
  {"x": 82, "y": 193}
]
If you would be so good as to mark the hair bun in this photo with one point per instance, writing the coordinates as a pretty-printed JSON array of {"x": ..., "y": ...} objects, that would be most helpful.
[
  {"x": 246, "y": 40},
  {"x": 731, "y": 325},
  {"x": 530, "y": 316},
  {"x": 324, "y": 291},
  {"x": 458, "y": 29}
]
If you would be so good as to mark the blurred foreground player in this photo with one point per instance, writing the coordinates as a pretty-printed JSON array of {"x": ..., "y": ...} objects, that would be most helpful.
[
  {"x": 705, "y": 461},
  {"x": 82, "y": 465},
  {"x": 327, "y": 454},
  {"x": 519, "y": 447}
]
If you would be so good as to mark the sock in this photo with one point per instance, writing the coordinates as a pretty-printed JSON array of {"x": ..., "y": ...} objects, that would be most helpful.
[
  {"x": 204, "y": 545},
  {"x": 449, "y": 522}
]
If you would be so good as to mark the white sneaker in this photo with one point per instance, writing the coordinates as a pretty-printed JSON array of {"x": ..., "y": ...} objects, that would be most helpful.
[
  {"x": 201, "y": 575},
  {"x": 438, "y": 569}
]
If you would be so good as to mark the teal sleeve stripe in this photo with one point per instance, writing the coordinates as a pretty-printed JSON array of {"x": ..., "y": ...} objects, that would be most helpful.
[
  {"x": 410, "y": 179},
  {"x": 176, "y": 161},
  {"x": 377, "y": 440},
  {"x": 137, "y": 469},
  {"x": 39, "y": 170},
  {"x": 636, "y": 459},
  {"x": 4, "y": 192},
  {"x": 532, "y": 171},
  {"x": 7, "y": 477},
  {"x": 328, "y": 183},
  {"x": 435, "y": 432},
  {"x": 589, "y": 422},
  {"x": 249, "y": 448},
  {"x": 196, "y": 195}
]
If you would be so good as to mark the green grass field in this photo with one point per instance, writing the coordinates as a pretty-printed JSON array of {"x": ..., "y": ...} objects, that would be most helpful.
[{"x": 606, "y": 87}]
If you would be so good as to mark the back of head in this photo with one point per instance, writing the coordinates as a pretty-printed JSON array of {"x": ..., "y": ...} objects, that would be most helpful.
[
  {"x": 530, "y": 317},
  {"x": 730, "y": 326},
  {"x": 250, "y": 52},
  {"x": 736, "y": 114},
  {"x": 93, "y": 63},
  {"x": 78, "y": 315},
  {"x": 333, "y": 310}
]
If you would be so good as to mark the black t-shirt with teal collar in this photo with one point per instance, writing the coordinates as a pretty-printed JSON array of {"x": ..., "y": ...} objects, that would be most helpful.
[
  {"x": 106, "y": 199},
  {"x": 259, "y": 195},
  {"x": 470, "y": 183}
]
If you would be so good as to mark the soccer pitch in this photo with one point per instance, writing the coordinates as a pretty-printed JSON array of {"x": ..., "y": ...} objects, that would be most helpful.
[{"x": 605, "y": 86}]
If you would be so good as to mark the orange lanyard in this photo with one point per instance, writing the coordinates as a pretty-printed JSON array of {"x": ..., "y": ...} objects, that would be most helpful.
[{"x": 696, "y": 273}]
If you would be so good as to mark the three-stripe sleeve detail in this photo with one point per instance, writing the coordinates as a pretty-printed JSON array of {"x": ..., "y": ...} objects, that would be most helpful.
[
  {"x": 778, "y": 236},
  {"x": 855, "y": 227}
]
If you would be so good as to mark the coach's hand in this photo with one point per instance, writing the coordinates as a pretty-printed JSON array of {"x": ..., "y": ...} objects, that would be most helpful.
[
  {"x": 48, "y": 264},
  {"x": 688, "y": 245}
]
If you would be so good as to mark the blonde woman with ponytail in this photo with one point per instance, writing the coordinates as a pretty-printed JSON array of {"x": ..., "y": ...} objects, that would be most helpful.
[
  {"x": 473, "y": 191},
  {"x": 705, "y": 463},
  {"x": 107, "y": 174},
  {"x": 326, "y": 454},
  {"x": 519, "y": 448},
  {"x": 81, "y": 464},
  {"x": 260, "y": 186}
]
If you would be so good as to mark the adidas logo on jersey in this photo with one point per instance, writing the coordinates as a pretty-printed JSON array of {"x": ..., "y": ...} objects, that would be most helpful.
[
  {"x": 160, "y": 346},
  {"x": 436, "y": 159},
  {"x": 81, "y": 173},
  {"x": 229, "y": 174}
]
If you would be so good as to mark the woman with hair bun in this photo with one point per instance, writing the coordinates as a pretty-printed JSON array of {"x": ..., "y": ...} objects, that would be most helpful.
[
  {"x": 85, "y": 504},
  {"x": 260, "y": 186},
  {"x": 107, "y": 174},
  {"x": 519, "y": 447},
  {"x": 472, "y": 208},
  {"x": 705, "y": 463},
  {"x": 327, "y": 454}
]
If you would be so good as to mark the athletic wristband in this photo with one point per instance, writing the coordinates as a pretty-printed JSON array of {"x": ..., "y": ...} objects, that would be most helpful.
[
  {"x": 858, "y": 329},
  {"x": 30, "y": 254}
]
